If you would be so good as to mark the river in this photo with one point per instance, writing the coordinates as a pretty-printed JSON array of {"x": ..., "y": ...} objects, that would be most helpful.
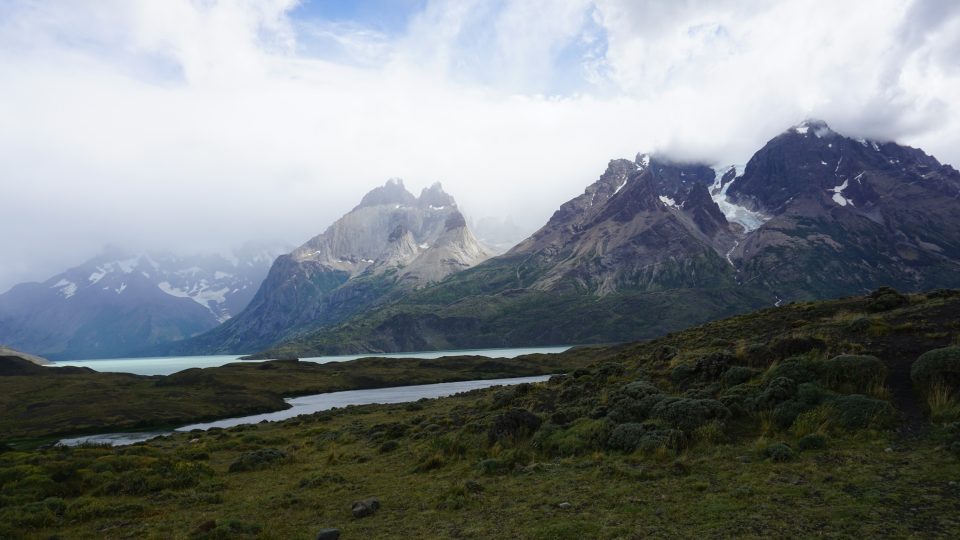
[{"x": 312, "y": 404}]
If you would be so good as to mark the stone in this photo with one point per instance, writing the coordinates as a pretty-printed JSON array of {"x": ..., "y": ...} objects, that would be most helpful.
[
  {"x": 564, "y": 506},
  {"x": 365, "y": 508},
  {"x": 328, "y": 534}
]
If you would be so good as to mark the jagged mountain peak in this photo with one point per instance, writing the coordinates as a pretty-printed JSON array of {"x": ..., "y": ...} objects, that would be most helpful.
[
  {"x": 392, "y": 192},
  {"x": 434, "y": 197},
  {"x": 812, "y": 127},
  {"x": 812, "y": 165}
]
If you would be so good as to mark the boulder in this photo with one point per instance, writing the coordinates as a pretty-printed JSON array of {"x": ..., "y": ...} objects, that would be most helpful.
[{"x": 365, "y": 508}]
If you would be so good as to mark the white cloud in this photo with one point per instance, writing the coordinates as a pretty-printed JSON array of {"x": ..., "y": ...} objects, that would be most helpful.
[{"x": 201, "y": 124}]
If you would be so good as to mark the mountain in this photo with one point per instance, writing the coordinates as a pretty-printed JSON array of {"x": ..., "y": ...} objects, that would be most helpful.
[
  {"x": 393, "y": 242},
  {"x": 847, "y": 215},
  {"x": 118, "y": 303},
  {"x": 7, "y": 352},
  {"x": 654, "y": 246}
]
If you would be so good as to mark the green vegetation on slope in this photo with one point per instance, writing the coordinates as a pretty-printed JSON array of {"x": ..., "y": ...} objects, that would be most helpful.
[
  {"x": 42, "y": 401},
  {"x": 749, "y": 427}
]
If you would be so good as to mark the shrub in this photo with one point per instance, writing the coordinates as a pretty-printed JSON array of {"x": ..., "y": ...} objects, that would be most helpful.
[
  {"x": 688, "y": 414},
  {"x": 321, "y": 480},
  {"x": 632, "y": 403},
  {"x": 740, "y": 399},
  {"x": 937, "y": 366},
  {"x": 513, "y": 426},
  {"x": 581, "y": 437},
  {"x": 814, "y": 441},
  {"x": 785, "y": 347},
  {"x": 389, "y": 446},
  {"x": 647, "y": 438},
  {"x": 664, "y": 353},
  {"x": 854, "y": 374},
  {"x": 885, "y": 299},
  {"x": 258, "y": 459},
  {"x": 682, "y": 375},
  {"x": 785, "y": 413},
  {"x": 776, "y": 391},
  {"x": 856, "y": 411},
  {"x": 491, "y": 466},
  {"x": 738, "y": 375},
  {"x": 778, "y": 452},
  {"x": 943, "y": 403},
  {"x": 713, "y": 365},
  {"x": 799, "y": 369}
]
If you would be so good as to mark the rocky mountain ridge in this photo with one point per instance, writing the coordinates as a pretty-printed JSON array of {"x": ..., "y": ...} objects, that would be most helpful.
[
  {"x": 391, "y": 243},
  {"x": 653, "y": 246}
]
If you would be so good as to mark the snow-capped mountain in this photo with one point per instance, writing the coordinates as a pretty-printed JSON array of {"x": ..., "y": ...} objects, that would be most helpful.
[
  {"x": 118, "y": 303},
  {"x": 389, "y": 244},
  {"x": 654, "y": 246}
]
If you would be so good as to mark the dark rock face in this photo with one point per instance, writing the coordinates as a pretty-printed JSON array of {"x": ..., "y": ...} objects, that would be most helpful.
[
  {"x": 847, "y": 216},
  {"x": 365, "y": 508},
  {"x": 645, "y": 225}
]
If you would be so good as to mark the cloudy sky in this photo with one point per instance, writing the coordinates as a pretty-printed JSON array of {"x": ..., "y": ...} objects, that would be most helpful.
[{"x": 197, "y": 125}]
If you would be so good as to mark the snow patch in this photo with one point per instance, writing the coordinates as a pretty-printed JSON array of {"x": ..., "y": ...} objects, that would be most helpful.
[
  {"x": 746, "y": 218},
  {"x": 98, "y": 275},
  {"x": 220, "y": 275},
  {"x": 620, "y": 186},
  {"x": 802, "y": 130},
  {"x": 822, "y": 162},
  {"x": 668, "y": 201},
  {"x": 432, "y": 207},
  {"x": 127, "y": 265},
  {"x": 122, "y": 287},
  {"x": 838, "y": 194},
  {"x": 67, "y": 288},
  {"x": 166, "y": 287}
]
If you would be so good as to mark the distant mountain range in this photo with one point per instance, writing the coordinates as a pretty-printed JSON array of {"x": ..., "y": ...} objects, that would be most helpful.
[
  {"x": 655, "y": 246},
  {"x": 392, "y": 243},
  {"x": 650, "y": 247},
  {"x": 120, "y": 303}
]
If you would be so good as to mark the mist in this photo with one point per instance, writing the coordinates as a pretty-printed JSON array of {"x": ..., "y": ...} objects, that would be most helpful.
[{"x": 199, "y": 126}]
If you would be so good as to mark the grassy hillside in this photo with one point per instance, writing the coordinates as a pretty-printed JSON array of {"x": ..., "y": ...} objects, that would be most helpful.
[
  {"x": 814, "y": 419},
  {"x": 43, "y": 401}
]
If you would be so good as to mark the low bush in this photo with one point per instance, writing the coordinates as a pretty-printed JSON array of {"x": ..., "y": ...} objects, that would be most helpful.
[
  {"x": 389, "y": 446},
  {"x": 688, "y": 414},
  {"x": 798, "y": 369},
  {"x": 258, "y": 459},
  {"x": 513, "y": 426},
  {"x": 778, "y": 452},
  {"x": 776, "y": 391},
  {"x": 814, "y": 441},
  {"x": 854, "y": 374},
  {"x": 885, "y": 299},
  {"x": 856, "y": 411},
  {"x": 738, "y": 375},
  {"x": 939, "y": 366},
  {"x": 646, "y": 438},
  {"x": 581, "y": 437},
  {"x": 491, "y": 466}
]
